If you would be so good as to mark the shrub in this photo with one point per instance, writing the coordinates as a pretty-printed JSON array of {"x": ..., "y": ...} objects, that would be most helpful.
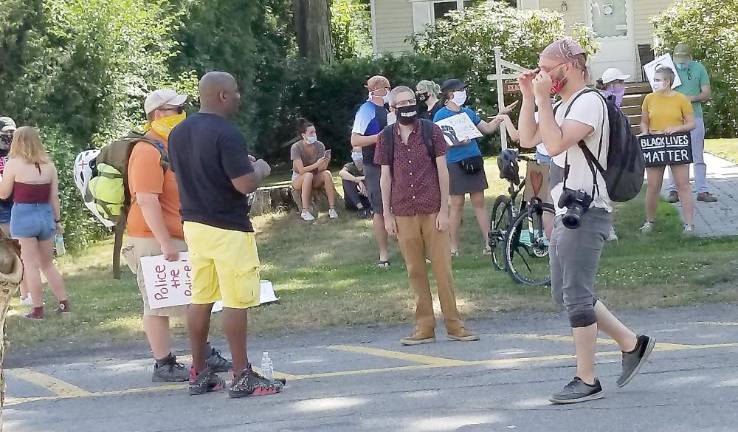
[{"x": 710, "y": 28}]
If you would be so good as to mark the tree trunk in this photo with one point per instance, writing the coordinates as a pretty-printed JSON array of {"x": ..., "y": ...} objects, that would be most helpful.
[{"x": 313, "y": 27}]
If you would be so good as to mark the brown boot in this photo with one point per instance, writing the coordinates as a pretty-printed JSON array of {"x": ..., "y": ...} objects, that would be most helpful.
[
  {"x": 418, "y": 339},
  {"x": 463, "y": 335},
  {"x": 706, "y": 197}
]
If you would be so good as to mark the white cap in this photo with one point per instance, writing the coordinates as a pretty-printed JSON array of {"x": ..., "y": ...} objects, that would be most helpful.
[
  {"x": 613, "y": 74},
  {"x": 163, "y": 97}
]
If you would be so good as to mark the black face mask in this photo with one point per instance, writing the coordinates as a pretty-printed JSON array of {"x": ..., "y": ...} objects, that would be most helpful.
[
  {"x": 422, "y": 97},
  {"x": 407, "y": 115},
  {"x": 5, "y": 140}
]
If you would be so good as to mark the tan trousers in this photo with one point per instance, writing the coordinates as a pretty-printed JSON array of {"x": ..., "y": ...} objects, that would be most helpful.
[{"x": 418, "y": 239}]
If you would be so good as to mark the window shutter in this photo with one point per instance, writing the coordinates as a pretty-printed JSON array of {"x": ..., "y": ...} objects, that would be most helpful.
[{"x": 422, "y": 15}]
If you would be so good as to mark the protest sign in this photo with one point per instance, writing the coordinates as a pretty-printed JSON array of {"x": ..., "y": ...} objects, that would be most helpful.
[
  {"x": 661, "y": 61},
  {"x": 169, "y": 283},
  {"x": 661, "y": 150},
  {"x": 458, "y": 128}
]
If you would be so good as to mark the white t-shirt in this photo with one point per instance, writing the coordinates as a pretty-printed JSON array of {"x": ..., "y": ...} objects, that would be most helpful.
[{"x": 588, "y": 109}]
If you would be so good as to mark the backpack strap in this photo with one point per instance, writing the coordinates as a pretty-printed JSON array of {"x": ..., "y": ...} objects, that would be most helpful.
[
  {"x": 427, "y": 130},
  {"x": 388, "y": 145},
  {"x": 592, "y": 162}
]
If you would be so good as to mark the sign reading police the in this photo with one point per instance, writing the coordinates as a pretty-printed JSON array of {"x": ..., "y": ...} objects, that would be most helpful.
[
  {"x": 169, "y": 283},
  {"x": 661, "y": 150}
]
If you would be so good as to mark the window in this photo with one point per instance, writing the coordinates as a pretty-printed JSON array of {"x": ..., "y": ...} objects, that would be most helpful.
[
  {"x": 426, "y": 12},
  {"x": 440, "y": 9},
  {"x": 609, "y": 18}
]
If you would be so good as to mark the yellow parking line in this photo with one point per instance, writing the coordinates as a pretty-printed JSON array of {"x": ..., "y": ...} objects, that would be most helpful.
[
  {"x": 64, "y": 390},
  {"x": 397, "y": 355},
  {"x": 553, "y": 338},
  {"x": 58, "y": 387}
]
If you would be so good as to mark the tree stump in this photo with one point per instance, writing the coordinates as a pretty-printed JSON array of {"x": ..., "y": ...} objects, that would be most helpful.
[
  {"x": 11, "y": 273},
  {"x": 281, "y": 197}
]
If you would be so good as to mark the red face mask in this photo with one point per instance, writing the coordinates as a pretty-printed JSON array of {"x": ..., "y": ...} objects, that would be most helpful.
[{"x": 557, "y": 84}]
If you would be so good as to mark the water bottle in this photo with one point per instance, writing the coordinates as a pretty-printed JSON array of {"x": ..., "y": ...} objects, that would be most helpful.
[
  {"x": 267, "y": 369},
  {"x": 59, "y": 245}
]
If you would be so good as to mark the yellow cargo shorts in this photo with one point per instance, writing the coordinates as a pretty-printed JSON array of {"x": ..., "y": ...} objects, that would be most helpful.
[{"x": 225, "y": 265}]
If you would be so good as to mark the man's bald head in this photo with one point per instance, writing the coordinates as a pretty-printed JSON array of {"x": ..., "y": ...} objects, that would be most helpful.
[{"x": 219, "y": 93}]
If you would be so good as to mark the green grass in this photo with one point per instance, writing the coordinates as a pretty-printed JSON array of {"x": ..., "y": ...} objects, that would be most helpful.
[
  {"x": 325, "y": 276},
  {"x": 724, "y": 148}
]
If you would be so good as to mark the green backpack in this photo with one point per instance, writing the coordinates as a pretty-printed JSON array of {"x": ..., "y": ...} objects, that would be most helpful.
[{"x": 106, "y": 192}]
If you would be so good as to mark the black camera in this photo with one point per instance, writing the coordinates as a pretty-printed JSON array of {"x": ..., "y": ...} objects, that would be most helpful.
[{"x": 577, "y": 203}]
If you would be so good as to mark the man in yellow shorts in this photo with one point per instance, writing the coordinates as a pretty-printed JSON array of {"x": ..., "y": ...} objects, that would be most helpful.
[{"x": 215, "y": 174}]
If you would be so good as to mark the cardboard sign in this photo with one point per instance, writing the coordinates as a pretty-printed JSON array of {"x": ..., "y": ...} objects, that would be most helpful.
[
  {"x": 458, "y": 128},
  {"x": 661, "y": 150},
  {"x": 169, "y": 283},
  {"x": 661, "y": 61}
]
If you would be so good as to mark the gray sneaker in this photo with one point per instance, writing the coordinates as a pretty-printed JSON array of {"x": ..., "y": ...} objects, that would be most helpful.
[
  {"x": 633, "y": 361},
  {"x": 169, "y": 371},
  {"x": 578, "y": 391},
  {"x": 216, "y": 362}
]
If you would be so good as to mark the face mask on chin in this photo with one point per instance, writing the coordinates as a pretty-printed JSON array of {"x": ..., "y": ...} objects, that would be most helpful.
[{"x": 558, "y": 84}]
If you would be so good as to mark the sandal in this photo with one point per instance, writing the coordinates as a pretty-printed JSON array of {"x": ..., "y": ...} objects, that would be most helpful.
[{"x": 383, "y": 264}]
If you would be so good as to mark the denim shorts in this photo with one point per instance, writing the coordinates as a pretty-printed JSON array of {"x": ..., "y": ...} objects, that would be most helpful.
[{"x": 32, "y": 221}]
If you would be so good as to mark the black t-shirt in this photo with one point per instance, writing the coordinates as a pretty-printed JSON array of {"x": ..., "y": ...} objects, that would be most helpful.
[{"x": 206, "y": 152}]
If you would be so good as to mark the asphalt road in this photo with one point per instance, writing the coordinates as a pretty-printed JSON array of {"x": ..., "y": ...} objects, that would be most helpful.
[{"x": 363, "y": 380}]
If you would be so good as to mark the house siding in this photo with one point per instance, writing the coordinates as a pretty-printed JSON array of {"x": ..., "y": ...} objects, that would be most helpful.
[
  {"x": 394, "y": 23},
  {"x": 644, "y": 11}
]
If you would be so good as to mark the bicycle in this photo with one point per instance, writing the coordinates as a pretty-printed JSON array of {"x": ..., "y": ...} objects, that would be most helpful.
[{"x": 517, "y": 233}]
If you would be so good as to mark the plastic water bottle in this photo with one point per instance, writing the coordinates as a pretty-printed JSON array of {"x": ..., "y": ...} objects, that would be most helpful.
[
  {"x": 267, "y": 368},
  {"x": 59, "y": 245}
]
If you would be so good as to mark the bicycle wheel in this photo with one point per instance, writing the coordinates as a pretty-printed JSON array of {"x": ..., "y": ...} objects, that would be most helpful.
[
  {"x": 499, "y": 225},
  {"x": 526, "y": 247}
]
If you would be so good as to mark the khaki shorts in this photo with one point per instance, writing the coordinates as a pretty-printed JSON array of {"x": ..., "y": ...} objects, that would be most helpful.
[
  {"x": 142, "y": 247},
  {"x": 225, "y": 265}
]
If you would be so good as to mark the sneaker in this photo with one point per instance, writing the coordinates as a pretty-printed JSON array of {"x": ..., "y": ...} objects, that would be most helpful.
[
  {"x": 306, "y": 216},
  {"x": 647, "y": 227},
  {"x": 169, "y": 370},
  {"x": 463, "y": 335},
  {"x": 332, "y": 213},
  {"x": 673, "y": 197},
  {"x": 216, "y": 362},
  {"x": 634, "y": 360},
  {"x": 418, "y": 339},
  {"x": 28, "y": 301},
  {"x": 454, "y": 253},
  {"x": 706, "y": 197},
  {"x": 36, "y": 313},
  {"x": 578, "y": 391},
  {"x": 688, "y": 229},
  {"x": 612, "y": 236},
  {"x": 487, "y": 251},
  {"x": 250, "y": 383},
  {"x": 205, "y": 381}
]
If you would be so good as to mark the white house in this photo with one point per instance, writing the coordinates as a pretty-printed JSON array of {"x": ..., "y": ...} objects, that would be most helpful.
[{"x": 622, "y": 27}]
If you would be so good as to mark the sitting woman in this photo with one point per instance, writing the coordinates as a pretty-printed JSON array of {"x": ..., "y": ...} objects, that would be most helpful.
[
  {"x": 666, "y": 111},
  {"x": 32, "y": 179},
  {"x": 354, "y": 188},
  {"x": 310, "y": 170}
]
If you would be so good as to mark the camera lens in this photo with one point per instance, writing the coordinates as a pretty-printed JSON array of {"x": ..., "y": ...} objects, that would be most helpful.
[{"x": 571, "y": 221}]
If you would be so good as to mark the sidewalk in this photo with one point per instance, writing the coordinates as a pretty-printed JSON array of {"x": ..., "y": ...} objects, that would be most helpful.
[{"x": 720, "y": 218}]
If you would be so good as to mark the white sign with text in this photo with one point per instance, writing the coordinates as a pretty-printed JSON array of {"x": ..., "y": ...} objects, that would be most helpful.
[
  {"x": 169, "y": 283},
  {"x": 458, "y": 128}
]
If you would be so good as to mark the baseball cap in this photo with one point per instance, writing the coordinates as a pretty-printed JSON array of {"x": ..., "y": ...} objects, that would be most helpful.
[
  {"x": 613, "y": 74},
  {"x": 377, "y": 82},
  {"x": 453, "y": 84},
  {"x": 162, "y": 97},
  {"x": 682, "y": 53},
  {"x": 7, "y": 124}
]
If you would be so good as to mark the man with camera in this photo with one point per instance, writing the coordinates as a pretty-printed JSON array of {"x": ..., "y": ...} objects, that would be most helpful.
[{"x": 583, "y": 208}]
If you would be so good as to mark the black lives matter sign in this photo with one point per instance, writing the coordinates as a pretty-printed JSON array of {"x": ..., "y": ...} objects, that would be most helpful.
[{"x": 662, "y": 150}]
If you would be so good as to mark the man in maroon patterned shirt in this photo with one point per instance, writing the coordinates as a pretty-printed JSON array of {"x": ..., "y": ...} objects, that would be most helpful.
[{"x": 415, "y": 199}]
